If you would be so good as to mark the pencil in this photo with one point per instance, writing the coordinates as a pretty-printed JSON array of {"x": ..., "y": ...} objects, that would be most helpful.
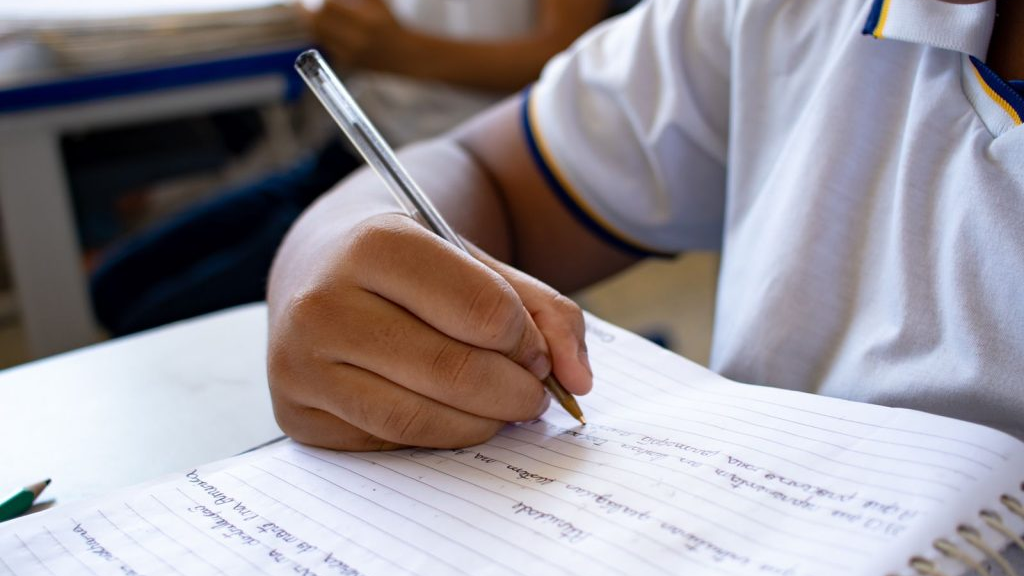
[
  {"x": 378, "y": 154},
  {"x": 16, "y": 504}
]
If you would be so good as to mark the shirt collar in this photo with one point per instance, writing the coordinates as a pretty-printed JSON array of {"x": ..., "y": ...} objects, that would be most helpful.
[{"x": 963, "y": 28}]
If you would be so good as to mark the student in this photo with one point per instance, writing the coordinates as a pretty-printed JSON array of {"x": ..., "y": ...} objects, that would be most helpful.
[
  {"x": 858, "y": 165},
  {"x": 422, "y": 66}
]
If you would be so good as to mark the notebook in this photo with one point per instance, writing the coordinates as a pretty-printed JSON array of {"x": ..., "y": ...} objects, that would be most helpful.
[{"x": 679, "y": 471}]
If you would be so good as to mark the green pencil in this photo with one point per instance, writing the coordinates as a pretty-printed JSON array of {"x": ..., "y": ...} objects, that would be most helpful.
[{"x": 16, "y": 504}]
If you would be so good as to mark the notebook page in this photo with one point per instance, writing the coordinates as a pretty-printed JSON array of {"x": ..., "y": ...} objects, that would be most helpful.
[{"x": 679, "y": 472}]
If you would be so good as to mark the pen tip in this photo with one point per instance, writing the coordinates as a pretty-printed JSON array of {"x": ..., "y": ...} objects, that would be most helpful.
[
  {"x": 46, "y": 482},
  {"x": 583, "y": 420}
]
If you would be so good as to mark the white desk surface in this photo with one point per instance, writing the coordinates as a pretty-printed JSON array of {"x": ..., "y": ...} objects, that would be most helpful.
[{"x": 129, "y": 410}]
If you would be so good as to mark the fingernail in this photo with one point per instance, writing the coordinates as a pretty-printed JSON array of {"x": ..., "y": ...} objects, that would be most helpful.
[
  {"x": 584, "y": 358},
  {"x": 539, "y": 366},
  {"x": 544, "y": 405}
]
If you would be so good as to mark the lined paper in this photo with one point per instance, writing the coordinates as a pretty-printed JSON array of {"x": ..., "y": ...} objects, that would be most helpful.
[{"x": 679, "y": 472}]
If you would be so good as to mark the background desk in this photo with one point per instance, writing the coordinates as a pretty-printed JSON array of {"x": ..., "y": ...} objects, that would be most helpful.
[
  {"x": 35, "y": 202},
  {"x": 128, "y": 410}
]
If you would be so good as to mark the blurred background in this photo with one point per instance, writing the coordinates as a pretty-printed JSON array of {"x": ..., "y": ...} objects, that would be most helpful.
[{"x": 152, "y": 154}]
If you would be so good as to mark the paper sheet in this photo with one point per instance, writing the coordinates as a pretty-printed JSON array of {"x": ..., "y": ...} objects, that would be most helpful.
[{"x": 679, "y": 472}]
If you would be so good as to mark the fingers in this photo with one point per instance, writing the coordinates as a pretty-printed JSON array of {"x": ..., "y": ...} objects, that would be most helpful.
[
  {"x": 454, "y": 293},
  {"x": 318, "y": 428},
  {"x": 495, "y": 307},
  {"x": 354, "y": 409},
  {"x": 382, "y": 338},
  {"x": 396, "y": 337},
  {"x": 559, "y": 319}
]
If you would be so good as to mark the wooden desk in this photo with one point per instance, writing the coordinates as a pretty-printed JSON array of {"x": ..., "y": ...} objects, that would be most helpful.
[{"x": 121, "y": 412}]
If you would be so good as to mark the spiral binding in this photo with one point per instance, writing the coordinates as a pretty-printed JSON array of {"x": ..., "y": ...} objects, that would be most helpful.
[{"x": 925, "y": 567}]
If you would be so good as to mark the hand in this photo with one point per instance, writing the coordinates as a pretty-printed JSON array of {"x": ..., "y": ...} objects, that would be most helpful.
[
  {"x": 365, "y": 34},
  {"x": 397, "y": 338}
]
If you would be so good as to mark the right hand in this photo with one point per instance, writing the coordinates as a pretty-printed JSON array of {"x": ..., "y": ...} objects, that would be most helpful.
[{"x": 388, "y": 336}]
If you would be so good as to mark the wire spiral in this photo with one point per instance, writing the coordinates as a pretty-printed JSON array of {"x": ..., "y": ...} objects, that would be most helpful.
[{"x": 975, "y": 539}]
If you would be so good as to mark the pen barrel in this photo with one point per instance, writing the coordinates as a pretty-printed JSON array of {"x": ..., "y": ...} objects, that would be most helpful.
[
  {"x": 370, "y": 145},
  {"x": 564, "y": 398},
  {"x": 378, "y": 154}
]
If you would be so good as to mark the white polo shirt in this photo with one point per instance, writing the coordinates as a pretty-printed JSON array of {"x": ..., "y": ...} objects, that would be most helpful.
[{"x": 867, "y": 193}]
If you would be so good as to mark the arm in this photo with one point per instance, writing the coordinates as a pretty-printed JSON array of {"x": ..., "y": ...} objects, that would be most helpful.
[
  {"x": 382, "y": 335},
  {"x": 366, "y": 35},
  {"x": 541, "y": 236}
]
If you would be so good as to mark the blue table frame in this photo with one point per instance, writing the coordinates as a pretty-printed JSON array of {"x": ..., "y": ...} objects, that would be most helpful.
[{"x": 35, "y": 202}]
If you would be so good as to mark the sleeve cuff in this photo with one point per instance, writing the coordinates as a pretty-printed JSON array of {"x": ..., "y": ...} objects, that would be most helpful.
[{"x": 568, "y": 195}]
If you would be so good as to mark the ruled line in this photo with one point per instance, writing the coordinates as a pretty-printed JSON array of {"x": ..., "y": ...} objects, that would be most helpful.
[
  {"x": 668, "y": 547},
  {"x": 307, "y": 518},
  {"x": 856, "y": 467},
  {"x": 66, "y": 551},
  {"x": 627, "y": 359},
  {"x": 799, "y": 537},
  {"x": 499, "y": 516},
  {"x": 603, "y": 394},
  {"x": 476, "y": 529},
  {"x": 7, "y": 567},
  {"x": 137, "y": 542},
  {"x": 690, "y": 407},
  {"x": 38, "y": 561},
  {"x": 729, "y": 492},
  {"x": 204, "y": 532},
  {"x": 336, "y": 507},
  {"x": 173, "y": 540},
  {"x": 786, "y": 460}
]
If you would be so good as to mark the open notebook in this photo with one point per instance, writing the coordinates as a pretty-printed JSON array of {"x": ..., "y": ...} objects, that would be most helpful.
[{"x": 679, "y": 472}]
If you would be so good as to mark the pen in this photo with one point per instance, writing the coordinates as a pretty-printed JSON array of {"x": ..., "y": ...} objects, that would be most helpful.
[
  {"x": 16, "y": 504},
  {"x": 378, "y": 154}
]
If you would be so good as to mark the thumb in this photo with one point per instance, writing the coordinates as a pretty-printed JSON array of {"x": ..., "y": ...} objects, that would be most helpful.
[{"x": 554, "y": 318}]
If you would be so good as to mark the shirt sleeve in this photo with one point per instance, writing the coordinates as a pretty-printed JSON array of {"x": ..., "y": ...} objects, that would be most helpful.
[{"x": 630, "y": 126}]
